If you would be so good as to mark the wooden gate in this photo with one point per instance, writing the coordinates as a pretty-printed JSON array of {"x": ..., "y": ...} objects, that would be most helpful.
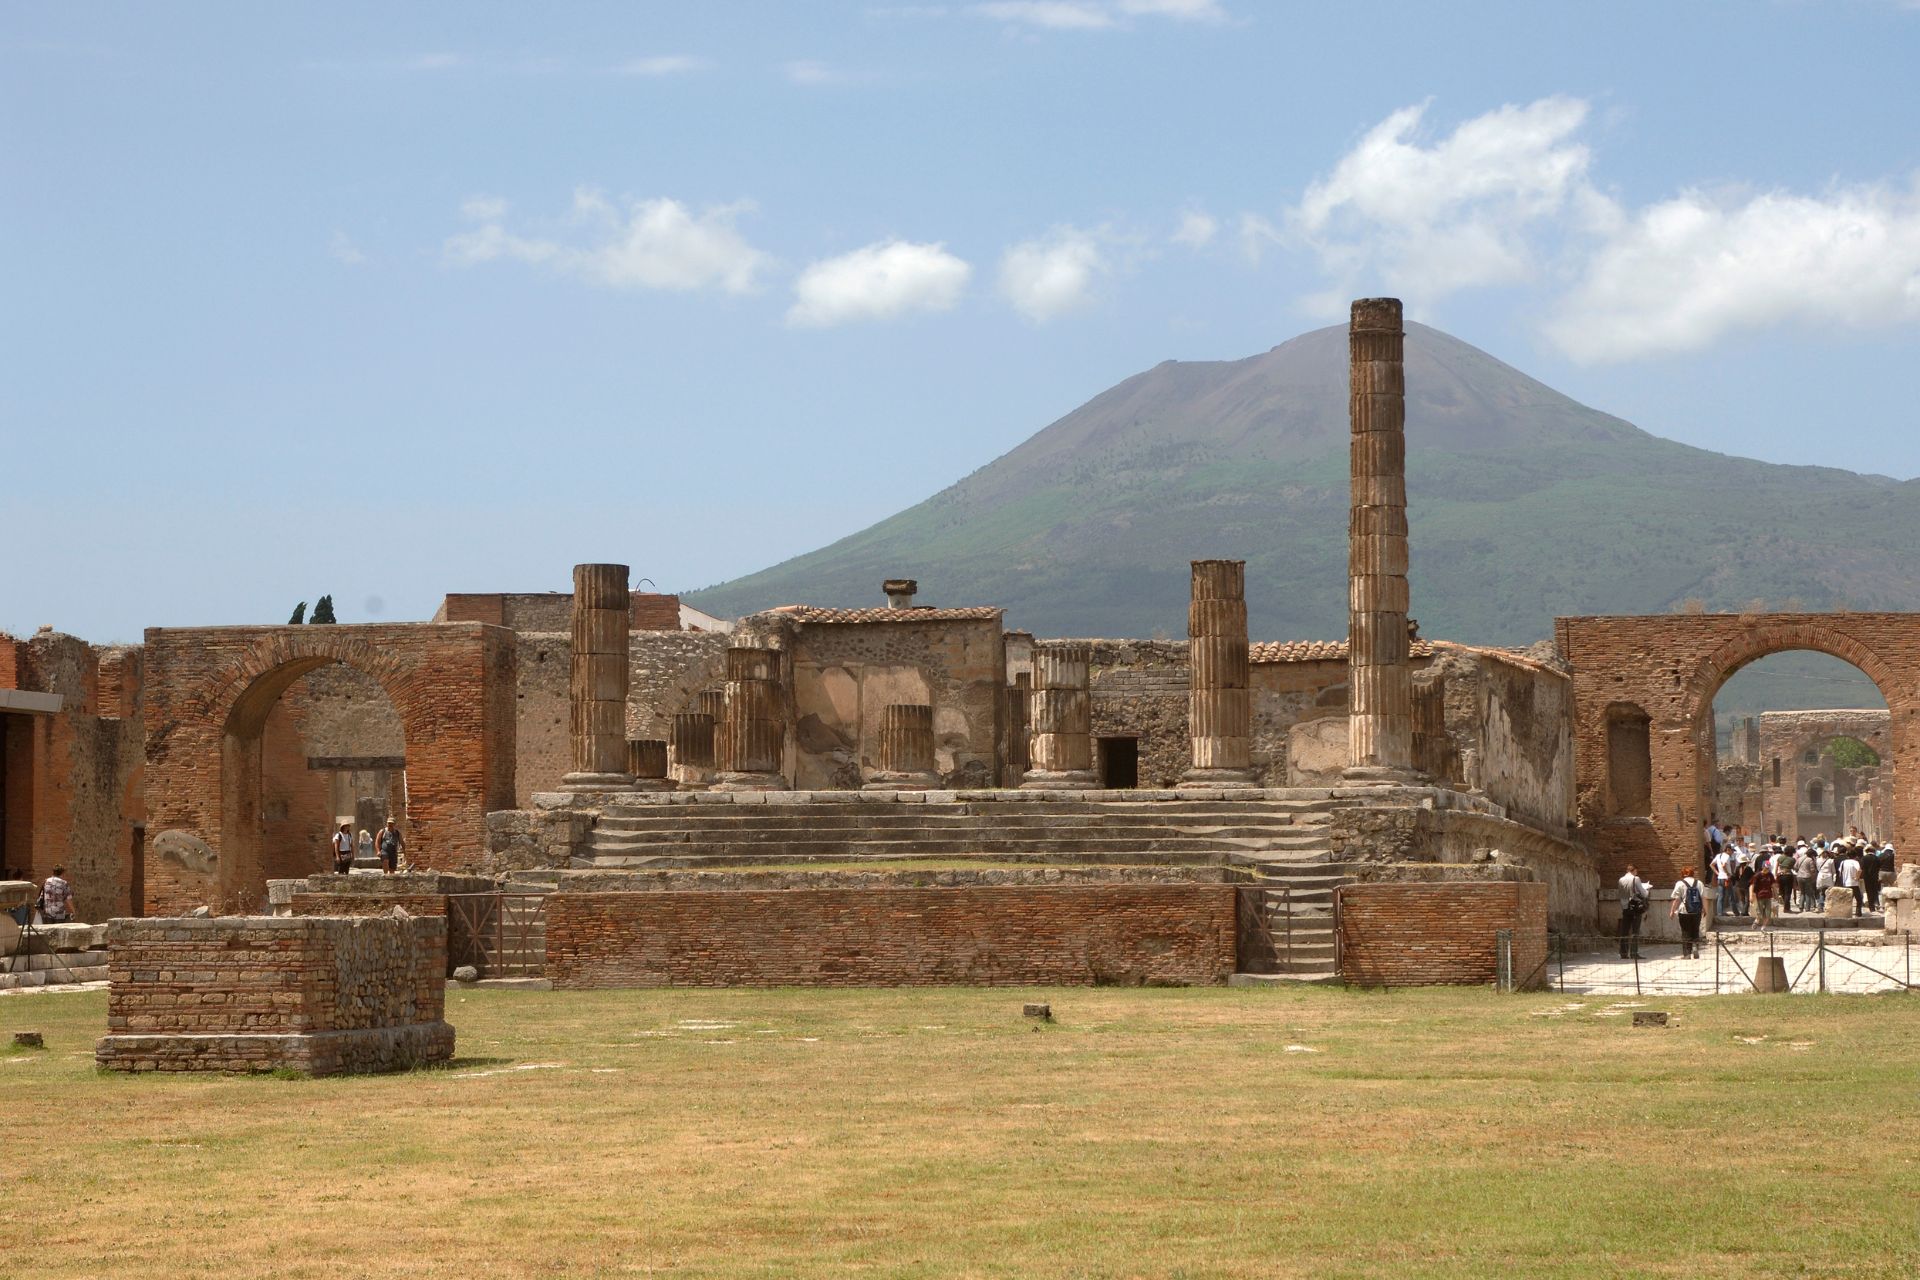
[{"x": 503, "y": 935}]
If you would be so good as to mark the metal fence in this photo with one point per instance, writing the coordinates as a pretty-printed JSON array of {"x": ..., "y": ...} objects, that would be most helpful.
[
  {"x": 503, "y": 935},
  {"x": 1787, "y": 961}
]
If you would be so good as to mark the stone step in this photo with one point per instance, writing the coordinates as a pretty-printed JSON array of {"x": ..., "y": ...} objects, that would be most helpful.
[
  {"x": 908, "y": 821},
  {"x": 851, "y": 860},
  {"x": 1266, "y": 837},
  {"x": 957, "y": 843}
]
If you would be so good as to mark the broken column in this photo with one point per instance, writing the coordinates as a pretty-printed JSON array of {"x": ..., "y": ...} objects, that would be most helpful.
[
  {"x": 1380, "y": 675},
  {"x": 753, "y": 739},
  {"x": 690, "y": 748},
  {"x": 906, "y": 749},
  {"x": 647, "y": 762},
  {"x": 1062, "y": 718},
  {"x": 1220, "y": 704},
  {"x": 598, "y": 691}
]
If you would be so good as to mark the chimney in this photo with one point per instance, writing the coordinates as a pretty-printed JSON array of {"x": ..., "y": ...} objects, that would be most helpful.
[{"x": 900, "y": 592}]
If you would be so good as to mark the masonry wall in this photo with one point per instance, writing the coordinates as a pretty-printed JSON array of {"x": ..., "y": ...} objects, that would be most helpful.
[
  {"x": 667, "y": 670},
  {"x": 1409, "y": 935},
  {"x": 255, "y": 993},
  {"x": 72, "y": 783},
  {"x": 1141, "y": 689},
  {"x": 998, "y": 936},
  {"x": 1509, "y": 725},
  {"x": 846, "y": 674},
  {"x": 1299, "y": 722}
]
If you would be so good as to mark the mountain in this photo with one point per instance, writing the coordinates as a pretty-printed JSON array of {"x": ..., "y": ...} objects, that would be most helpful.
[{"x": 1523, "y": 503}]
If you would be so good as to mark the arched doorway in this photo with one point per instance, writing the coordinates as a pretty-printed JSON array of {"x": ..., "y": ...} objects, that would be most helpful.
[
  {"x": 305, "y": 747},
  {"x": 210, "y": 698},
  {"x": 1671, "y": 667}
]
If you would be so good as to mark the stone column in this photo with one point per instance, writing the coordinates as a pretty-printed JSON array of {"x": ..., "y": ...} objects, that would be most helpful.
[
  {"x": 1220, "y": 706},
  {"x": 690, "y": 746},
  {"x": 599, "y": 678},
  {"x": 754, "y": 737},
  {"x": 647, "y": 762},
  {"x": 1062, "y": 718},
  {"x": 1019, "y": 708},
  {"x": 906, "y": 750},
  {"x": 1380, "y": 676}
]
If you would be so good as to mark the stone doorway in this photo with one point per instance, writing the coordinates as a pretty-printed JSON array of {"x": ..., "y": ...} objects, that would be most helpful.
[{"x": 1119, "y": 763}]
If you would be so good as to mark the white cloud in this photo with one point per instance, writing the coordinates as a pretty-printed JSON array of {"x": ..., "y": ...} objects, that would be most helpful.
[
  {"x": 483, "y": 208},
  {"x": 1179, "y": 10},
  {"x": 667, "y": 64},
  {"x": 1196, "y": 230},
  {"x": 1048, "y": 278},
  {"x": 810, "y": 74},
  {"x": 1050, "y": 15},
  {"x": 1096, "y": 15},
  {"x": 878, "y": 282},
  {"x": 1461, "y": 212},
  {"x": 1683, "y": 272},
  {"x": 343, "y": 250},
  {"x": 647, "y": 244},
  {"x": 435, "y": 62}
]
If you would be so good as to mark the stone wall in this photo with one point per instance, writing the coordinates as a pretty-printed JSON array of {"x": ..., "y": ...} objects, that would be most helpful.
[
  {"x": 1423, "y": 838},
  {"x": 1001, "y": 936},
  {"x": 1509, "y": 721},
  {"x": 72, "y": 783},
  {"x": 259, "y": 993},
  {"x": 846, "y": 674},
  {"x": 1140, "y": 689},
  {"x": 1413, "y": 935},
  {"x": 667, "y": 670}
]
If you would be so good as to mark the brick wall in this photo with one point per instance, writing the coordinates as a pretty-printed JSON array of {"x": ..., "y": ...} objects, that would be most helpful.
[
  {"x": 253, "y": 993},
  {"x": 1413, "y": 935},
  {"x": 1000, "y": 936},
  {"x": 451, "y": 685},
  {"x": 1668, "y": 668}
]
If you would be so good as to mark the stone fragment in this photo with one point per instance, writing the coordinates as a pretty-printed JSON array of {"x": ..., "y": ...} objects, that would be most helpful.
[
  {"x": 1649, "y": 1017},
  {"x": 466, "y": 973},
  {"x": 1042, "y": 1011},
  {"x": 29, "y": 1040}
]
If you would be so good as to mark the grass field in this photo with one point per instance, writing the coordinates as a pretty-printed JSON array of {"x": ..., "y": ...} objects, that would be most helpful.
[{"x": 1265, "y": 1133}]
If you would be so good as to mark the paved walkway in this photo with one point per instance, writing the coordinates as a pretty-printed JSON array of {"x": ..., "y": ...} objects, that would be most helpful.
[{"x": 1663, "y": 972}]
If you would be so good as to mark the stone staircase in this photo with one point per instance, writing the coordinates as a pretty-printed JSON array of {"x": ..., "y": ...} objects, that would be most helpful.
[{"x": 1279, "y": 839}]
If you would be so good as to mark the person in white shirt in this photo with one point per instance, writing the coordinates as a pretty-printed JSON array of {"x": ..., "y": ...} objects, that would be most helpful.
[
  {"x": 343, "y": 849},
  {"x": 1803, "y": 872},
  {"x": 1633, "y": 909},
  {"x": 1723, "y": 879},
  {"x": 1850, "y": 879}
]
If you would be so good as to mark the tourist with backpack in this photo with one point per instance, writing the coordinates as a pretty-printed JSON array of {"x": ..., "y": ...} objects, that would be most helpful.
[
  {"x": 1689, "y": 902},
  {"x": 1633, "y": 909},
  {"x": 391, "y": 846}
]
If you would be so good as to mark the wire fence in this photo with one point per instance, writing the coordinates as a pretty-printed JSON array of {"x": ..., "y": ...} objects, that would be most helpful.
[{"x": 1787, "y": 961}]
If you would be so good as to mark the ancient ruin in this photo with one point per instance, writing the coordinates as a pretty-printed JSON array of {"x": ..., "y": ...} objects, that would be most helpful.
[{"x": 621, "y": 787}]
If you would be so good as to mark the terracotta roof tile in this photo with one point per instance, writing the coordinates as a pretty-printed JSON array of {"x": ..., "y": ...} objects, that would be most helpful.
[
  {"x": 1317, "y": 650},
  {"x": 811, "y": 613}
]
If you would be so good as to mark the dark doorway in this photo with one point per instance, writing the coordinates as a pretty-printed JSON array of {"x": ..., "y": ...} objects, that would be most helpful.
[
  {"x": 137, "y": 863},
  {"x": 1119, "y": 763}
]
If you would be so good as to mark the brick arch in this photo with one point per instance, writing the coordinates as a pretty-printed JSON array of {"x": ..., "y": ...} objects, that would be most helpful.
[
  {"x": 208, "y": 696},
  {"x": 1672, "y": 666}
]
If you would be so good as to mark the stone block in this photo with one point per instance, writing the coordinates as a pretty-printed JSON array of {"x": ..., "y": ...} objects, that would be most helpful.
[{"x": 1839, "y": 904}]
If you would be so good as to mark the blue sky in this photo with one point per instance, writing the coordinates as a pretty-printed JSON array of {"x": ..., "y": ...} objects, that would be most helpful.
[{"x": 389, "y": 301}]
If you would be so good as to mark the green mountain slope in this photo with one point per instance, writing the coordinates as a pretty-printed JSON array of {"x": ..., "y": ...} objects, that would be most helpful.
[{"x": 1523, "y": 503}]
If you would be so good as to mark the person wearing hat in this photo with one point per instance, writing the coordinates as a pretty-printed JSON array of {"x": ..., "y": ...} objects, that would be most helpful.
[
  {"x": 391, "y": 844},
  {"x": 1803, "y": 870},
  {"x": 1869, "y": 873},
  {"x": 343, "y": 849},
  {"x": 1850, "y": 877}
]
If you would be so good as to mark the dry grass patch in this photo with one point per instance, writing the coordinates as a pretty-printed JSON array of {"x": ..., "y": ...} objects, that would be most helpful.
[{"x": 921, "y": 1133}]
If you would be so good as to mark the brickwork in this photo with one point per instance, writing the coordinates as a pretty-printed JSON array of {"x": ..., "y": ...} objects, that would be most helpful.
[
  {"x": 259, "y": 993},
  {"x": 72, "y": 783},
  {"x": 1415, "y": 935},
  {"x": 1142, "y": 689},
  {"x": 998, "y": 936},
  {"x": 210, "y": 691},
  {"x": 1668, "y": 668}
]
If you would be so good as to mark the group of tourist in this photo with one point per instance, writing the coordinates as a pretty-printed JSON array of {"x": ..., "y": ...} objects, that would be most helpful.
[
  {"x": 1759, "y": 879},
  {"x": 391, "y": 844}
]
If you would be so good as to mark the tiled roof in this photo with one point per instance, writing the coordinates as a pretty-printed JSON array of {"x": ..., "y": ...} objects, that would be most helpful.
[
  {"x": 1318, "y": 650},
  {"x": 810, "y": 613}
]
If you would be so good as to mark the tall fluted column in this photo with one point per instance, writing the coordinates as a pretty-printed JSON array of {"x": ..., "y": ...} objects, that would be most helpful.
[
  {"x": 647, "y": 762},
  {"x": 1220, "y": 706},
  {"x": 754, "y": 739},
  {"x": 1380, "y": 676},
  {"x": 1062, "y": 718},
  {"x": 906, "y": 749},
  {"x": 690, "y": 743},
  {"x": 598, "y": 689}
]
